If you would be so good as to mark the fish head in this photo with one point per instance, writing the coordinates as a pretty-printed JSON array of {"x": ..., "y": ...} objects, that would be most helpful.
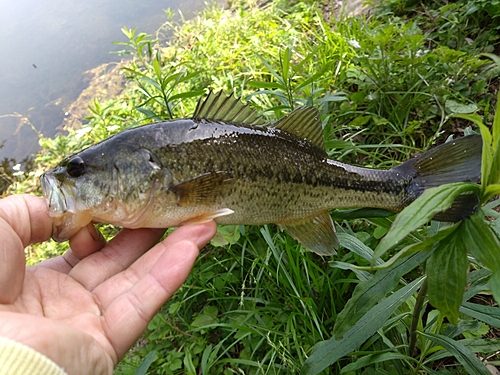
[{"x": 113, "y": 182}]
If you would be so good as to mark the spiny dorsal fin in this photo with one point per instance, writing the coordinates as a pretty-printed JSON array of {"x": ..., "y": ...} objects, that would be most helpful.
[
  {"x": 303, "y": 123},
  {"x": 220, "y": 107}
]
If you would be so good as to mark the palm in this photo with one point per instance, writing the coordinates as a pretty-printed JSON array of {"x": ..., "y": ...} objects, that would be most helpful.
[{"x": 60, "y": 308}]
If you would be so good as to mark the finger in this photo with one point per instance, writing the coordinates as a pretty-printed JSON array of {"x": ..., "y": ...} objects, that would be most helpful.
[
  {"x": 23, "y": 220},
  {"x": 128, "y": 316},
  {"x": 63, "y": 263},
  {"x": 12, "y": 264},
  {"x": 86, "y": 241},
  {"x": 117, "y": 255},
  {"x": 28, "y": 216},
  {"x": 124, "y": 281}
]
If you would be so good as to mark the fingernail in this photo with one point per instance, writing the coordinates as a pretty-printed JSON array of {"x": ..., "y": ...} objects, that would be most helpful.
[{"x": 95, "y": 233}]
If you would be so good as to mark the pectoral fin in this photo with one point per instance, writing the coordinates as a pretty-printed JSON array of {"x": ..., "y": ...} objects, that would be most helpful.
[
  {"x": 201, "y": 190},
  {"x": 316, "y": 234},
  {"x": 207, "y": 216}
]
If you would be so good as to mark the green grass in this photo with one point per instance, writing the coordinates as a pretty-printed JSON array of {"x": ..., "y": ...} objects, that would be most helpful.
[{"x": 387, "y": 86}]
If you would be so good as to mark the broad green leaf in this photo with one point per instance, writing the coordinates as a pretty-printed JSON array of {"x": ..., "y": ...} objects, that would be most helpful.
[
  {"x": 470, "y": 362},
  {"x": 367, "y": 294},
  {"x": 447, "y": 277},
  {"x": 203, "y": 320},
  {"x": 144, "y": 366},
  {"x": 457, "y": 107},
  {"x": 494, "y": 284},
  {"x": 152, "y": 82},
  {"x": 226, "y": 234},
  {"x": 480, "y": 241},
  {"x": 285, "y": 63},
  {"x": 484, "y": 245},
  {"x": 157, "y": 69},
  {"x": 186, "y": 77},
  {"x": 148, "y": 113},
  {"x": 419, "y": 212},
  {"x": 327, "y": 352},
  {"x": 487, "y": 157},
  {"x": 189, "y": 94},
  {"x": 495, "y": 166},
  {"x": 496, "y": 120},
  {"x": 207, "y": 317},
  {"x": 463, "y": 326},
  {"x": 491, "y": 190},
  {"x": 488, "y": 314},
  {"x": 424, "y": 245}
]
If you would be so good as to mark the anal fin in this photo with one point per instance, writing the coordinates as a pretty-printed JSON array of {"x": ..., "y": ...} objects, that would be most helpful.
[{"x": 316, "y": 234}]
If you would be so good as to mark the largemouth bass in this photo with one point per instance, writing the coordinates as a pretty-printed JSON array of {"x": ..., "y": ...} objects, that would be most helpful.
[{"x": 225, "y": 163}]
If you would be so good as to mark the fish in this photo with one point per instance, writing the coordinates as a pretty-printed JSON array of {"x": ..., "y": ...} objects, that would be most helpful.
[{"x": 226, "y": 163}]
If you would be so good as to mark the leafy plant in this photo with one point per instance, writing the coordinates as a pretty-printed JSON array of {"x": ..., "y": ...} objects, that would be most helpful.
[{"x": 445, "y": 251}]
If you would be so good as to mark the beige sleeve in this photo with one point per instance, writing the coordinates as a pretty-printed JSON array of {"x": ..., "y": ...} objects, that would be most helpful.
[{"x": 18, "y": 359}]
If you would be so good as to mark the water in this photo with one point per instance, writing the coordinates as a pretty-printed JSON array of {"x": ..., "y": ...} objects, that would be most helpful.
[{"x": 46, "y": 46}]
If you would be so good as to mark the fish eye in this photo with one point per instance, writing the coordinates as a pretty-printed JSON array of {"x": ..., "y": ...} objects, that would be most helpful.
[{"x": 75, "y": 166}]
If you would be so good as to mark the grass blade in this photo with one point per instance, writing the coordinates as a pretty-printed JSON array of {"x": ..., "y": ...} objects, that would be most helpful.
[
  {"x": 368, "y": 293},
  {"x": 327, "y": 352},
  {"x": 488, "y": 314},
  {"x": 370, "y": 359},
  {"x": 470, "y": 362}
]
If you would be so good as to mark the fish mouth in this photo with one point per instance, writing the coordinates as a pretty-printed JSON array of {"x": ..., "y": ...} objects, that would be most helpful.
[
  {"x": 59, "y": 199},
  {"x": 61, "y": 204}
]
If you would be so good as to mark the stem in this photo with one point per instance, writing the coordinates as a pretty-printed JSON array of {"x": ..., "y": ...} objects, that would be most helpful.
[{"x": 416, "y": 315}]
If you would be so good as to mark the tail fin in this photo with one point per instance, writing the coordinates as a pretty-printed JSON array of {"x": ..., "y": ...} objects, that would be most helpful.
[{"x": 456, "y": 161}]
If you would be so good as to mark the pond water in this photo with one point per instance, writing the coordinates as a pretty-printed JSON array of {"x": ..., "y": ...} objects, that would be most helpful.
[{"x": 46, "y": 46}]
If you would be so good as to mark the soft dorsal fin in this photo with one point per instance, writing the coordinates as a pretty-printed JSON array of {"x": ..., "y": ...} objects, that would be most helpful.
[
  {"x": 303, "y": 123},
  {"x": 220, "y": 107}
]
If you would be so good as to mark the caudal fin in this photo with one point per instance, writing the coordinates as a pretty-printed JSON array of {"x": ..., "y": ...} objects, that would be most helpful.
[{"x": 456, "y": 161}]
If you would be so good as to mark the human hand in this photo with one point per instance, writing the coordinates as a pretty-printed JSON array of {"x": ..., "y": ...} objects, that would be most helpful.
[{"x": 85, "y": 314}]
